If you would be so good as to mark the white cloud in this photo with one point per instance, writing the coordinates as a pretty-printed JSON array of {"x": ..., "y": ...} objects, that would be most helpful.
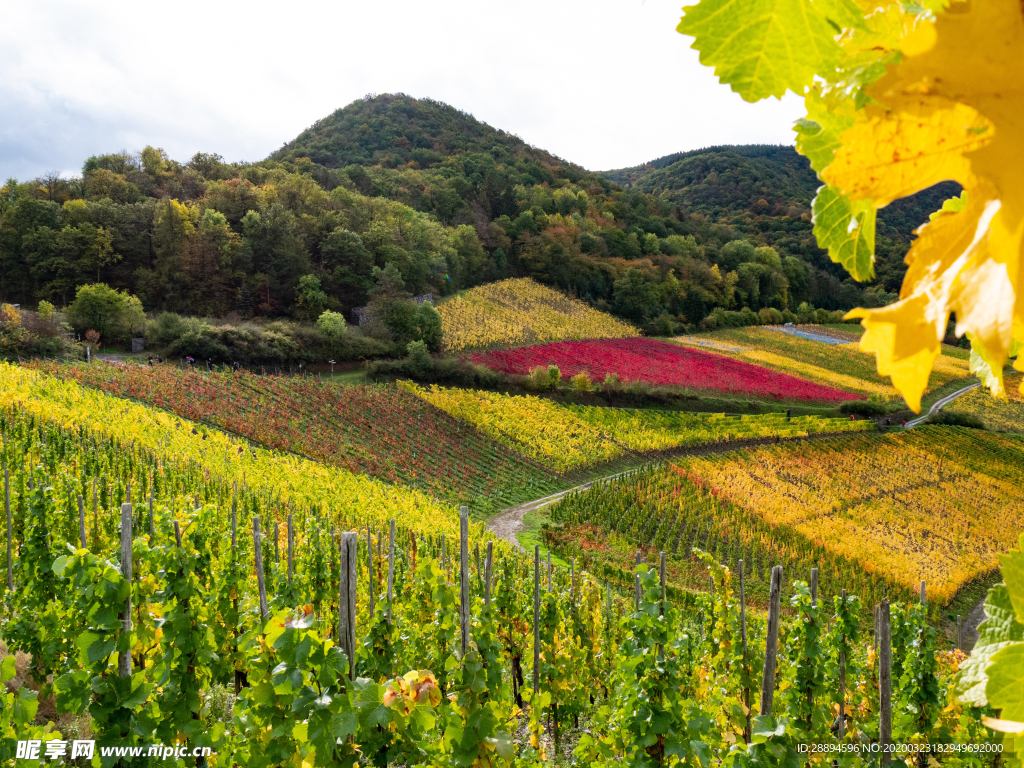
[{"x": 603, "y": 84}]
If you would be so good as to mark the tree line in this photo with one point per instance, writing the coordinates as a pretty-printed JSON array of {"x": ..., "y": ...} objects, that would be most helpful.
[{"x": 292, "y": 236}]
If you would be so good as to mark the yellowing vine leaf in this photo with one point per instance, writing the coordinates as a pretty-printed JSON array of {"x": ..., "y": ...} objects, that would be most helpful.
[
  {"x": 901, "y": 96},
  {"x": 953, "y": 111}
]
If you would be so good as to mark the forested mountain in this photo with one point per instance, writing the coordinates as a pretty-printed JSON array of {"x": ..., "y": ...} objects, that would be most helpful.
[
  {"x": 450, "y": 202},
  {"x": 765, "y": 192}
]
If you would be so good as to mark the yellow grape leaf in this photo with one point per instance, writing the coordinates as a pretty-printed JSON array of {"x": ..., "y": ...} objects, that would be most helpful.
[{"x": 953, "y": 109}]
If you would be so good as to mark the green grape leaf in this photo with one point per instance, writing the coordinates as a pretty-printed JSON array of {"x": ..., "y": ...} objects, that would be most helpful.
[
  {"x": 1000, "y": 630},
  {"x": 701, "y": 752},
  {"x": 1005, "y": 688},
  {"x": 502, "y": 743},
  {"x": 344, "y": 724},
  {"x": 844, "y": 14},
  {"x": 7, "y": 669},
  {"x": 952, "y": 205},
  {"x": 72, "y": 690},
  {"x": 25, "y": 706},
  {"x": 140, "y": 691},
  {"x": 1012, "y": 567},
  {"x": 817, "y": 135},
  {"x": 370, "y": 702},
  {"x": 764, "y": 727},
  {"x": 847, "y": 229},
  {"x": 762, "y": 48}
]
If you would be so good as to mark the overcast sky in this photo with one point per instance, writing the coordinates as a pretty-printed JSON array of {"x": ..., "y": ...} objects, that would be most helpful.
[{"x": 603, "y": 84}]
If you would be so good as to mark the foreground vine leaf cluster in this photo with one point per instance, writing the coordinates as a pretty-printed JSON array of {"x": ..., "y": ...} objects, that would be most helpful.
[{"x": 900, "y": 96}]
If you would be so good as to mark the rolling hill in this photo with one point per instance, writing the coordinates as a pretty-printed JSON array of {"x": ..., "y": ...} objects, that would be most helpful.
[{"x": 765, "y": 192}]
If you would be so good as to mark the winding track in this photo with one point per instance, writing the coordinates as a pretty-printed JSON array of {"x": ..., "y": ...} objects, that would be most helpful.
[
  {"x": 507, "y": 523},
  {"x": 938, "y": 405}
]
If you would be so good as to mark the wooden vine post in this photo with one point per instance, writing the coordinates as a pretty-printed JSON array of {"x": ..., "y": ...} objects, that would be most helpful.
[
  {"x": 260, "y": 581},
  {"x": 536, "y": 618},
  {"x": 124, "y": 660},
  {"x": 291, "y": 549},
  {"x": 369, "y": 569},
  {"x": 81, "y": 522},
  {"x": 391, "y": 566},
  {"x": 885, "y": 684},
  {"x": 771, "y": 648},
  {"x": 488, "y": 565},
  {"x": 95, "y": 514},
  {"x": 842, "y": 683},
  {"x": 151, "y": 527},
  {"x": 743, "y": 640},
  {"x": 7, "y": 507},
  {"x": 347, "y": 599},
  {"x": 636, "y": 584},
  {"x": 464, "y": 597}
]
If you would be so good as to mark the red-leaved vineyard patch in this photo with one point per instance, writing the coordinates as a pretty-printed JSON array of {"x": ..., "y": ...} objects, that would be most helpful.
[{"x": 660, "y": 363}]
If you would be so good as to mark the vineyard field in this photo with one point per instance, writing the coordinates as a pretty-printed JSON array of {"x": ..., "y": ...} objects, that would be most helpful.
[
  {"x": 224, "y": 458},
  {"x": 663, "y": 364},
  {"x": 217, "y": 609},
  {"x": 521, "y": 311},
  {"x": 569, "y": 437},
  {"x": 842, "y": 366},
  {"x": 998, "y": 415},
  {"x": 382, "y": 431},
  {"x": 938, "y": 504},
  {"x": 235, "y": 585}
]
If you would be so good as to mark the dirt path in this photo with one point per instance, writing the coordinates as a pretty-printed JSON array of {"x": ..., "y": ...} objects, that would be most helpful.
[
  {"x": 507, "y": 523},
  {"x": 969, "y": 628},
  {"x": 940, "y": 404}
]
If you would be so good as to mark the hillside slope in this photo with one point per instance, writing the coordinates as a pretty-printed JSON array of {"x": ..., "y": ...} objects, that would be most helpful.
[{"x": 765, "y": 191}]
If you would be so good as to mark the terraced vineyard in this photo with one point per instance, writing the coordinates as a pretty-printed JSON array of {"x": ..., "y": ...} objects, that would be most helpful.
[
  {"x": 662, "y": 364},
  {"x": 521, "y": 311},
  {"x": 998, "y": 415},
  {"x": 382, "y": 431},
  {"x": 872, "y": 511},
  {"x": 231, "y": 589},
  {"x": 569, "y": 437},
  {"x": 842, "y": 366}
]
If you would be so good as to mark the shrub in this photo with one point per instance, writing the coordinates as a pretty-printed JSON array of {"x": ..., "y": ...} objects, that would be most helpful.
[
  {"x": 92, "y": 337},
  {"x": 554, "y": 376},
  {"x": 957, "y": 419},
  {"x": 611, "y": 383},
  {"x": 331, "y": 324},
  {"x": 276, "y": 343},
  {"x": 449, "y": 370},
  {"x": 430, "y": 324},
  {"x": 539, "y": 378},
  {"x": 580, "y": 382},
  {"x": 863, "y": 407},
  {"x": 419, "y": 357}
]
